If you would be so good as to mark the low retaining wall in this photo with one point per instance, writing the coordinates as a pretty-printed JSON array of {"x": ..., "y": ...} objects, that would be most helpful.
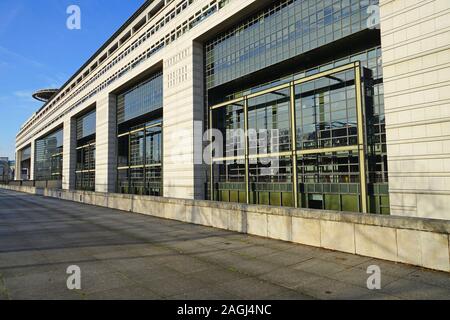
[{"x": 416, "y": 241}]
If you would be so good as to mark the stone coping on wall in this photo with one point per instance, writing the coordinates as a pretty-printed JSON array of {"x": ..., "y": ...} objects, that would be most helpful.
[
  {"x": 411, "y": 240},
  {"x": 401, "y": 222}
]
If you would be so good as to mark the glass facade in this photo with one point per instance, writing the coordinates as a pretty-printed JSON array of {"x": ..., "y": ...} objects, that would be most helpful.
[
  {"x": 85, "y": 167},
  {"x": 48, "y": 157},
  {"x": 25, "y": 163},
  {"x": 284, "y": 30},
  {"x": 269, "y": 114},
  {"x": 304, "y": 144},
  {"x": 322, "y": 126},
  {"x": 139, "y": 114},
  {"x": 86, "y": 125},
  {"x": 326, "y": 112}
]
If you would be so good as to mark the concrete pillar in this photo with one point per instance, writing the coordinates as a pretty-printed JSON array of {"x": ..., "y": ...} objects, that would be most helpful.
[
  {"x": 18, "y": 172},
  {"x": 106, "y": 140},
  {"x": 416, "y": 64},
  {"x": 69, "y": 154},
  {"x": 183, "y": 106}
]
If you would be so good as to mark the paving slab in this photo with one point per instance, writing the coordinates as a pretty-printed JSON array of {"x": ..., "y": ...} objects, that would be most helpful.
[{"x": 124, "y": 255}]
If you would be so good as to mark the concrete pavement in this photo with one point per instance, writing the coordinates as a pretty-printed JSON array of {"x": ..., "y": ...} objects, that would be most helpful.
[{"x": 129, "y": 256}]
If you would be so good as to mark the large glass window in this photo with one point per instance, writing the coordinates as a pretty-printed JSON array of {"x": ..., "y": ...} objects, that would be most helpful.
[
  {"x": 49, "y": 156},
  {"x": 229, "y": 181},
  {"x": 25, "y": 163},
  {"x": 123, "y": 150},
  {"x": 85, "y": 168},
  {"x": 271, "y": 181},
  {"x": 329, "y": 181},
  {"x": 326, "y": 111}
]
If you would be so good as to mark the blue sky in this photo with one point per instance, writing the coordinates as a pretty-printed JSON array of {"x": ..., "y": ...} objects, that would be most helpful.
[{"x": 38, "y": 51}]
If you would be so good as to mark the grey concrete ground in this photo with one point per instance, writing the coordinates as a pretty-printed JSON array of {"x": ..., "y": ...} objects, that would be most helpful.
[{"x": 129, "y": 256}]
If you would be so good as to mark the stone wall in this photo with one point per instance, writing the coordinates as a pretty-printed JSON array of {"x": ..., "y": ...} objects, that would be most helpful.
[
  {"x": 416, "y": 62},
  {"x": 416, "y": 241}
]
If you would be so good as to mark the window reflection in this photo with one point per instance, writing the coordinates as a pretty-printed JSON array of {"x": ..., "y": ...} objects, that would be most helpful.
[
  {"x": 326, "y": 112},
  {"x": 85, "y": 166},
  {"x": 49, "y": 157}
]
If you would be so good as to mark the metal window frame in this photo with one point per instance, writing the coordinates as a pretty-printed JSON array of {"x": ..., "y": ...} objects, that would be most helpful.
[{"x": 360, "y": 147}]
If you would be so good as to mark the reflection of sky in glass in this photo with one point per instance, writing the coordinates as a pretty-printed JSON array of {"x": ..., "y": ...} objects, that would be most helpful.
[{"x": 45, "y": 150}]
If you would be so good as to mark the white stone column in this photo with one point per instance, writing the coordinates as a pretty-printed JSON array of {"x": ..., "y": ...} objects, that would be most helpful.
[
  {"x": 69, "y": 154},
  {"x": 416, "y": 63},
  {"x": 183, "y": 105},
  {"x": 106, "y": 140}
]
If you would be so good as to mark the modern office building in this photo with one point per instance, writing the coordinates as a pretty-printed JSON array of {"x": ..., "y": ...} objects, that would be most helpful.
[{"x": 324, "y": 104}]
